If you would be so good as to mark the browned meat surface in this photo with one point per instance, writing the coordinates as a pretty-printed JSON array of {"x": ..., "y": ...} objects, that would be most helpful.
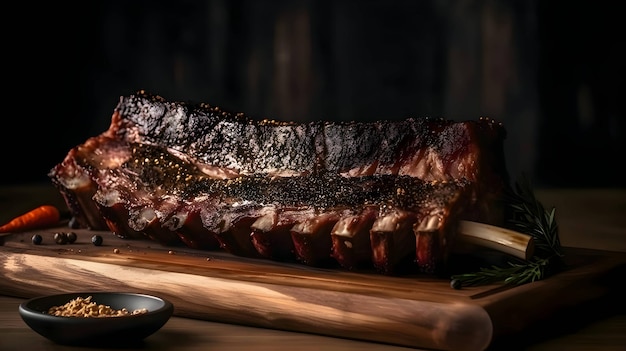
[{"x": 382, "y": 195}]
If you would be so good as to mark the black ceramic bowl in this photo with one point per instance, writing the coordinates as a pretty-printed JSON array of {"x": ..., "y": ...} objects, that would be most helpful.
[{"x": 101, "y": 330}]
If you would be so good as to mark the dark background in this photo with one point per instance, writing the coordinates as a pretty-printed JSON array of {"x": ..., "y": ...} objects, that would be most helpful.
[{"x": 551, "y": 71}]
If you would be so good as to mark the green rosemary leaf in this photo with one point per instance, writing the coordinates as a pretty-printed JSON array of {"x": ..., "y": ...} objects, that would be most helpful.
[
  {"x": 532, "y": 218},
  {"x": 514, "y": 274}
]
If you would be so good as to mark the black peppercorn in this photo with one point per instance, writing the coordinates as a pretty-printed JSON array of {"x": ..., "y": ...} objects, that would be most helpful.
[
  {"x": 96, "y": 240},
  {"x": 71, "y": 237},
  {"x": 60, "y": 238},
  {"x": 456, "y": 284},
  {"x": 37, "y": 239}
]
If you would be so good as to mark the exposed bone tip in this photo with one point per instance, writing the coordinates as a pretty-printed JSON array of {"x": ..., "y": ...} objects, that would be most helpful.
[{"x": 501, "y": 239}]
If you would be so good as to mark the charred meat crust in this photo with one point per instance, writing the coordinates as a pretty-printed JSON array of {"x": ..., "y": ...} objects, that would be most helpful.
[
  {"x": 384, "y": 195},
  {"x": 243, "y": 145}
]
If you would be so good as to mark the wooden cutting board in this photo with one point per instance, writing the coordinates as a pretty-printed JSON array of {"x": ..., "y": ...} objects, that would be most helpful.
[{"x": 413, "y": 311}]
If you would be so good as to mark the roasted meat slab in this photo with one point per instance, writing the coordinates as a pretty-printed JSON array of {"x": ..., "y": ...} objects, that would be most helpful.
[{"x": 382, "y": 195}]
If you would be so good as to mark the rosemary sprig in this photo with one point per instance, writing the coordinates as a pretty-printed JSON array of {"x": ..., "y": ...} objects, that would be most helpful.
[
  {"x": 514, "y": 273},
  {"x": 529, "y": 217}
]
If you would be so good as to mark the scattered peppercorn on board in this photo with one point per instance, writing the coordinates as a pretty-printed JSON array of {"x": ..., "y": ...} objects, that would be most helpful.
[{"x": 413, "y": 311}]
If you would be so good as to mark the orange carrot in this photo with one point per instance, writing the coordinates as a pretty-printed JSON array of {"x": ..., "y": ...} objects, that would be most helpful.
[{"x": 40, "y": 217}]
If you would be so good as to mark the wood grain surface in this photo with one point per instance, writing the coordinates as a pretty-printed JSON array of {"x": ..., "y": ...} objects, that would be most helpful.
[{"x": 413, "y": 311}]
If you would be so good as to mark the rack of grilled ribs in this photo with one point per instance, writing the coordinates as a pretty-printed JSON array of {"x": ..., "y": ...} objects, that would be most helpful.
[{"x": 386, "y": 195}]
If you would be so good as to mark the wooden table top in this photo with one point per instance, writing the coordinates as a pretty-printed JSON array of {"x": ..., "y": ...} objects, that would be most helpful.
[{"x": 588, "y": 218}]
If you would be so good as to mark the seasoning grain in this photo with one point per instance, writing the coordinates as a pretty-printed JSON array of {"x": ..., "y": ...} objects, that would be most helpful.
[{"x": 84, "y": 307}]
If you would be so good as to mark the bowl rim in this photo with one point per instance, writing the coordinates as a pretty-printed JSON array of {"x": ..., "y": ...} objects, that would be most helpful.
[{"x": 26, "y": 307}]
